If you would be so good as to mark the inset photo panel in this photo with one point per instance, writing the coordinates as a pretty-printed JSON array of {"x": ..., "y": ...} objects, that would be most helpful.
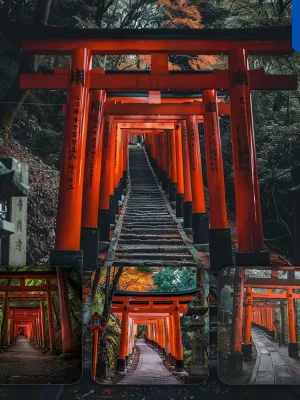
[
  {"x": 259, "y": 325},
  {"x": 150, "y": 326},
  {"x": 41, "y": 325}
]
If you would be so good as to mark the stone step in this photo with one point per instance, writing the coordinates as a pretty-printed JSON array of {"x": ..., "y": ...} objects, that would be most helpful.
[
  {"x": 146, "y": 218},
  {"x": 149, "y": 236},
  {"x": 148, "y": 224},
  {"x": 149, "y": 241},
  {"x": 152, "y": 263},
  {"x": 156, "y": 256},
  {"x": 153, "y": 248},
  {"x": 149, "y": 231}
]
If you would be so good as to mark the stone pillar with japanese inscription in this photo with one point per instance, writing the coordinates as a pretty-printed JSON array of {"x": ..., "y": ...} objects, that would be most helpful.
[
  {"x": 13, "y": 247},
  {"x": 247, "y": 197}
]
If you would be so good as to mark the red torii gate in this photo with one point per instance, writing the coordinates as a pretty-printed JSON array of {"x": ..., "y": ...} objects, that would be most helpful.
[
  {"x": 44, "y": 294},
  {"x": 161, "y": 313},
  {"x": 243, "y": 316},
  {"x": 81, "y": 44}
]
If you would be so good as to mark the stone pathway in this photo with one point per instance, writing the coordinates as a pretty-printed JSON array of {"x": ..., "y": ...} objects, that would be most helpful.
[
  {"x": 23, "y": 363},
  {"x": 150, "y": 370},
  {"x": 149, "y": 234},
  {"x": 270, "y": 368}
]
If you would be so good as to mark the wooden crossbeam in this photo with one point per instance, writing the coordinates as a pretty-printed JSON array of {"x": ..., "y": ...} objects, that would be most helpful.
[
  {"x": 218, "y": 79},
  {"x": 150, "y": 298},
  {"x": 60, "y": 40},
  {"x": 41, "y": 288},
  {"x": 152, "y": 118},
  {"x": 161, "y": 109},
  {"x": 146, "y": 125},
  {"x": 135, "y": 310},
  {"x": 274, "y": 296},
  {"x": 272, "y": 283},
  {"x": 28, "y": 296}
]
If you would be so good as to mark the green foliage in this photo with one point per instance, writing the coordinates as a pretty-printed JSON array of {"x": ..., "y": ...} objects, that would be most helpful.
[{"x": 174, "y": 279}]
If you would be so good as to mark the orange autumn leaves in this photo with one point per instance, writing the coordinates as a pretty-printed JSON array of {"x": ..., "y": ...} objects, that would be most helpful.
[
  {"x": 181, "y": 14},
  {"x": 178, "y": 14},
  {"x": 133, "y": 280}
]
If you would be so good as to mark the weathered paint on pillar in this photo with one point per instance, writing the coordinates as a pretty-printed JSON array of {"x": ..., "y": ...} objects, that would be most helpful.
[{"x": 247, "y": 196}]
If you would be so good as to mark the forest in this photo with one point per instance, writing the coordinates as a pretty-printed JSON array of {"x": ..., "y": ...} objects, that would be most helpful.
[{"x": 31, "y": 123}]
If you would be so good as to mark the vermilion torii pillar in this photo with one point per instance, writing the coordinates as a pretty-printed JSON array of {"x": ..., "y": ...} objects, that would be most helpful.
[
  {"x": 199, "y": 215},
  {"x": 118, "y": 161},
  {"x": 173, "y": 165},
  {"x": 43, "y": 323},
  {"x": 91, "y": 185},
  {"x": 112, "y": 160},
  {"x": 292, "y": 344},
  {"x": 68, "y": 224},
  {"x": 106, "y": 171},
  {"x": 187, "y": 204},
  {"x": 121, "y": 362},
  {"x": 51, "y": 327},
  {"x": 246, "y": 346},
  {"x": 164, "y": 151},
  {"x": 247, "y": 197},
  {"x": 178, "y": 340},
  {"x": 180, "y": 180},
  {"x": 220, "y": 247}
]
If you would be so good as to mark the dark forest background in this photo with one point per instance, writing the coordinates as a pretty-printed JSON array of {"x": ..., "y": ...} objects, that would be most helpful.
[{"x": 31, "y": 123}]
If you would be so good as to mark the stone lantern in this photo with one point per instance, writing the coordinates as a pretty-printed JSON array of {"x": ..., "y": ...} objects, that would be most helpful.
[{"x": 198, "y": 371}]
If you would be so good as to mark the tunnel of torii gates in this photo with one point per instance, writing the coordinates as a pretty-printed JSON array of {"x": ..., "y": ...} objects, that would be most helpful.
[
  {"x": 160, "y": 313},
  {"x": 30, "y": 321},
  {"x": 95, "y": 146},
  {"x": 258, "y": 308}
]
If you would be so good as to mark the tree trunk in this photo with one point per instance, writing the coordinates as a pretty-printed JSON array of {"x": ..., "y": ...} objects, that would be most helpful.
[
  {"x": 96, "y": 282},
  {"x": 77, "y": 288},
  {"x": 28, "y": 64},
  {"x": 110, "y": 294}
]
